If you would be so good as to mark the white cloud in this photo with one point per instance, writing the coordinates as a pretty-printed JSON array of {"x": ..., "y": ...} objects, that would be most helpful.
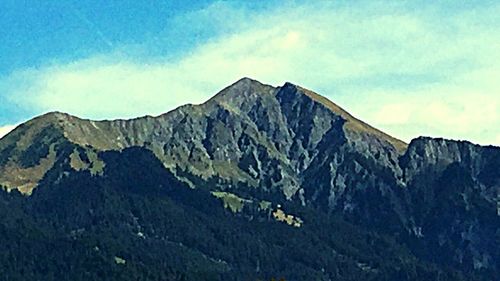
[
  {"x": 91, "y": 88},
  {"x": 464, "y": 107},
  {"x": 407, "y": 73},
  {"x": 4, "y": 130}
]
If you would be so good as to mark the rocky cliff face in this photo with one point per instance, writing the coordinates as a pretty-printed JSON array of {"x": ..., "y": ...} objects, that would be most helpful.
[
  {"x": 288, "y": 141},
  {"x": 454, "y": 188},
  {"x": 248, "y": 133}
]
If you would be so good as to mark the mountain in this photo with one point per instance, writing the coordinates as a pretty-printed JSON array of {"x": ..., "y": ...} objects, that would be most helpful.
[
  {"x": 301, "y": 187},
  {"x": 273, "y": 132}
]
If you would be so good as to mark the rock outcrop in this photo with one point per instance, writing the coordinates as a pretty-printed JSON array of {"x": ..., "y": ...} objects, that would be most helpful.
[{"x": 251, "y": 138}]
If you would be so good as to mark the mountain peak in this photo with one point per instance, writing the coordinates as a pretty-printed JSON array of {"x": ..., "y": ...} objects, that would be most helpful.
[
  {"x": 263, "y": 153},
  {"x": 249, "y": 91},
  {"x": 270, "y": 116},
  {"x": 245, "y": 83},
  {"x": 54, "y": 118},
  {"x": 352, "y": 123},
  {"x": 55, "y": 115},
  {"x": 241, "y": 89},
  {"x": 246, "y": 80}
]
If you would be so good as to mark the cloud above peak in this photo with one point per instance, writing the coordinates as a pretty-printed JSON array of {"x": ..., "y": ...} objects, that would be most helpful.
[{"x": 407, "y": 73}]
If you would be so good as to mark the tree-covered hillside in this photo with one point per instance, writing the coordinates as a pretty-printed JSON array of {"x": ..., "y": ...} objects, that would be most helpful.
[{"x": 137, "y": 222}]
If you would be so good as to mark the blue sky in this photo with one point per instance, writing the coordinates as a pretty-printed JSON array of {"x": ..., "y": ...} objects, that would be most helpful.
[{"x": 407, "y": 68}]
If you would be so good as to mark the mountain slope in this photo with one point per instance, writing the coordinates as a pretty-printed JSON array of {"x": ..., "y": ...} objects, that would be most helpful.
[
  {"x": 193, "y": 138},
  {"x": 137, "y": 222},
  {"x": 254, "y": 145}
]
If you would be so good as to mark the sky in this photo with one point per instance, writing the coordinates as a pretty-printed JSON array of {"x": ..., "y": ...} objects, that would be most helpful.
[{"x": 408, "y": 68}]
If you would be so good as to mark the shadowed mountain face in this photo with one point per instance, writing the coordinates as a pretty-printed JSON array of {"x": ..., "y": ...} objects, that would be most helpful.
[{"x": 255, "y": 144}]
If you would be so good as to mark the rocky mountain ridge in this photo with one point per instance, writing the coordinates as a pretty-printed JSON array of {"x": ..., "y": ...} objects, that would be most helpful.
[
  {"x": 291, "y": 145},
  {"x": 193, "y": 134}
]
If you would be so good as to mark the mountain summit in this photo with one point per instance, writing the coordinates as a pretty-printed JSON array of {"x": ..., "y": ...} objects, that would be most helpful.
[
  {"x": 288, "y": 123},
  {"x": 250, "y": 156}
]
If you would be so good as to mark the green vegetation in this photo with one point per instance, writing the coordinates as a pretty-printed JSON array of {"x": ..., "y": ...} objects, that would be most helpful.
[
  {"x": 119, "y": 260},
  {"x": 97, "y": 165},
  {"x": 231, "y": 201},
  {"x": 279, "y": 215},
  {"x": 87, "y": 229},
  {"x": 265, "y": 205}
]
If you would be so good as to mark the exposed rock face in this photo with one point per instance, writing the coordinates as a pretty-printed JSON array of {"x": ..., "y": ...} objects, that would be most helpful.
[
  {"x": 455, "y": 199},
  {"x": 249, "y": 132},
  {"x": 293, "y": 142},
  {"x": 431, "y": 161}
]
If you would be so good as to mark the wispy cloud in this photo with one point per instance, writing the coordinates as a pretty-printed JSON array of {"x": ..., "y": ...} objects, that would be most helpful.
[
  {"x": 408, "y": 73},
  {"x": 91, "y": 26}
]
